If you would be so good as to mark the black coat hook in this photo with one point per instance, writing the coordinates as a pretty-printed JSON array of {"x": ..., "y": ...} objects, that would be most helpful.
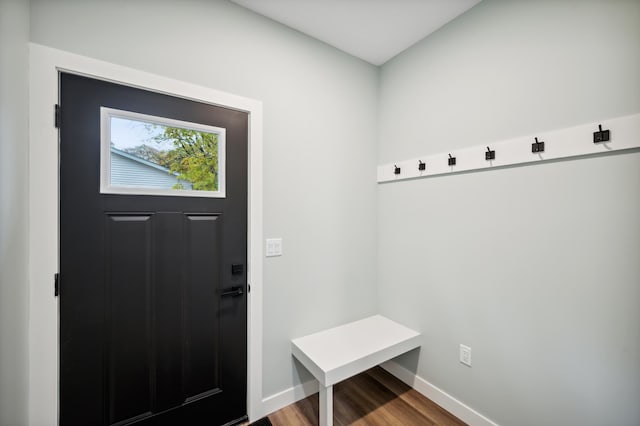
[
  {"x": 452, "y": 160},
  {"x": 421, "y": 165},
  {"x": 601, "y": 135},
  {"x": 396, "y": 170},
  {"x": 490, "y": 155},
  {"x": 537, "y": 146}
]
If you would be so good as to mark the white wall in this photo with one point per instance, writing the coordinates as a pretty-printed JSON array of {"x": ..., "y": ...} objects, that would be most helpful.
[
  {"x": 537, "y": 267},
  {"x": 14, "y": 36},
  {"x": 319, "y": 149}
]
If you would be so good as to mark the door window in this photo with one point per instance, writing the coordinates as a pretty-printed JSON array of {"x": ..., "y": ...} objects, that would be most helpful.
[{"x": 148, "y": 155}]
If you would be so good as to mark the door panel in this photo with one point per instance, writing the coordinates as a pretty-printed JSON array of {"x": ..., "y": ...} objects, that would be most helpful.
[
  {"x": 128, "y": 277},
  {"x": 145, "y": 333},
  {"x": 202, "y": 329}
]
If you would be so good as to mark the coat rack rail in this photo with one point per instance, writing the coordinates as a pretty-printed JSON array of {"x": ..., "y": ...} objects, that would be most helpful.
[{"x": 615, "y": 134}]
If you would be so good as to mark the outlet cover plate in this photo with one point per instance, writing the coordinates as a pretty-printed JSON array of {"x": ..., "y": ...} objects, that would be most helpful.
[{"x": 465, "y": 355}]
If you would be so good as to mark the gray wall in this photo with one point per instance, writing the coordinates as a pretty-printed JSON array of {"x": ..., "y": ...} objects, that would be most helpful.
[
  {"x": 14, "y": 293},
  {"x": 319, "y": 149},
  {"x": 537, "y": 268},
  {"x": 555, "y": 341}
]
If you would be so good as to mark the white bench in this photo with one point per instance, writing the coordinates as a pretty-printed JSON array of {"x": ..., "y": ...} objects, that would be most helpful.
[{"x": 338, "y": 353}]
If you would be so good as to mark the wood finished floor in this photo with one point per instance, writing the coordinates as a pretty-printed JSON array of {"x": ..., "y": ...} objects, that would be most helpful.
[{"x": 374, "y": 397}]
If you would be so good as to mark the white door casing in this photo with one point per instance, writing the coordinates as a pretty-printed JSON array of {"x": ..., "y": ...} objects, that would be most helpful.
[{"x": 45, "y": 63}]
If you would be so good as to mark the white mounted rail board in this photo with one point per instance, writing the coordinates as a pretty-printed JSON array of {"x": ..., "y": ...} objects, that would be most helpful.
[{"x": 564, "y": 143}]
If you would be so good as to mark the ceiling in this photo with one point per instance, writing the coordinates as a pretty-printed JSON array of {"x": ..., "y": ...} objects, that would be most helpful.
[{"x": 372, "y": 30}]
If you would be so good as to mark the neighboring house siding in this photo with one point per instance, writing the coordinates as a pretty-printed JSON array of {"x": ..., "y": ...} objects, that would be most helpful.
[{"x": 128, "y": 172}]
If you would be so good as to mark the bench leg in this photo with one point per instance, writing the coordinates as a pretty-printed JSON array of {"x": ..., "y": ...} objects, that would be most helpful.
[{"x": 326, "y": 406}]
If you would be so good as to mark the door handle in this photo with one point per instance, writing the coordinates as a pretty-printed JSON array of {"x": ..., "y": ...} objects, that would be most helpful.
[{"x": 233, "y": 292}]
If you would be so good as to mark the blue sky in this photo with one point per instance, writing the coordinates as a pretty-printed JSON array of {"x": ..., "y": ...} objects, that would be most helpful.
[{"x": 127, "y": 133}]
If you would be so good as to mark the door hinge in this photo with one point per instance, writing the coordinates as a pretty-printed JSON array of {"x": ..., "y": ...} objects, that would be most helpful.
[
  {"x": 248, "y": 288},
  {"x": 56, "y": 284},
  {"x": 57, "y": 116}
]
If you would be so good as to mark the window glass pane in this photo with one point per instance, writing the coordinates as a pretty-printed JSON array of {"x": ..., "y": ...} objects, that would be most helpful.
[{"x": 152, "y": 154}]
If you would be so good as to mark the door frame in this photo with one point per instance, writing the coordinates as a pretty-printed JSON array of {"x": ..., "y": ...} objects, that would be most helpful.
[{"x": 44, "y": 65}]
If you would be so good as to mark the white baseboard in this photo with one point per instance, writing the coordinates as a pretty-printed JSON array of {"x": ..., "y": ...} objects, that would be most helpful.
[
  {"x": 288, "y": 396},
  {"x": 465, "y": 413},
  {"x": 437, "y": 395}
]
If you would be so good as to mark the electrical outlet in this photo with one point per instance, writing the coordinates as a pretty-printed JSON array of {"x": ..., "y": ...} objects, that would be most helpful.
[{"x": 465, "y": 355}]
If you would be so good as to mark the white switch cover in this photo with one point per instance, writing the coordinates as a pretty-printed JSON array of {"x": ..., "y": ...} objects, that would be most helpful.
[
  {"x": 465, "y": 355},
  {"x": 274, "y": 247}
]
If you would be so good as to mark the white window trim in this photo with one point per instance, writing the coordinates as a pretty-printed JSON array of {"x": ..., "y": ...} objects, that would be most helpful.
[
  {"x": 45, "y": 63},
  {"x": 105, "y": 155}
]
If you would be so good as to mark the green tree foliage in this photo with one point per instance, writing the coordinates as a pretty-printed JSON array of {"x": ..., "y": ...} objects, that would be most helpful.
[{"x": 194, "y": 155}]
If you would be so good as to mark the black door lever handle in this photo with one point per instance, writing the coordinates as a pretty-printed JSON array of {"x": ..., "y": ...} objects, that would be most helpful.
[{"x": 233, "y": 292}]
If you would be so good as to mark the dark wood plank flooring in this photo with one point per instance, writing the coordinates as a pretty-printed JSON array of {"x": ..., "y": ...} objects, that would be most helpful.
[{"x": 374, "y": 397}]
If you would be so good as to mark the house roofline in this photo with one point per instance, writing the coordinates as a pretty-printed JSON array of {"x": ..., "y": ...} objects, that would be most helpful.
[{"x": 143, "y": 161}]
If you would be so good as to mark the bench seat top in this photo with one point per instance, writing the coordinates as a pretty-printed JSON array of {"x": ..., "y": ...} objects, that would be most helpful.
[{"x": 341, "y": 352}]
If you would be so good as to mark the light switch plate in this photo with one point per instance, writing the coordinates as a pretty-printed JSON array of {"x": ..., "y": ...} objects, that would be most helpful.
[{"x": 274, "y": 247}]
